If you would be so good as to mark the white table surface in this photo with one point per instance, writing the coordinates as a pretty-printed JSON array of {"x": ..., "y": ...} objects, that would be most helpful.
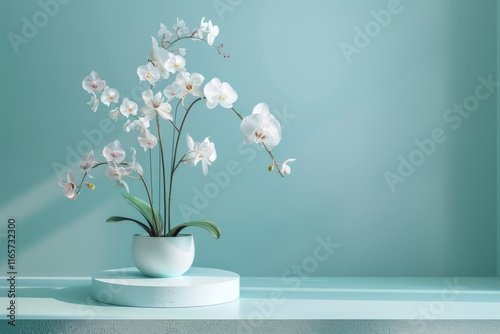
[{"x": 274, "y": 298}]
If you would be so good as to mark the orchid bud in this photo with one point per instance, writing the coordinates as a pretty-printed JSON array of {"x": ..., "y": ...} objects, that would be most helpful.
[
  {"x": 270, "y": 168},
  {"x": 91, "y": 186}
]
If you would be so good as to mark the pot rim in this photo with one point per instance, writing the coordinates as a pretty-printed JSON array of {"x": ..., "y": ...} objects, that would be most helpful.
[{"x": 148, "y": 236}]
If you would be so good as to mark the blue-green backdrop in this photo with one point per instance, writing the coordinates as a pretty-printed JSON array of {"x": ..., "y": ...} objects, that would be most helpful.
[{"x": 392, "y": 168}]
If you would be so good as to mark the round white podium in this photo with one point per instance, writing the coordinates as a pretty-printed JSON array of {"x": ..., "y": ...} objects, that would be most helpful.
[{"x": 197, "y": 287}]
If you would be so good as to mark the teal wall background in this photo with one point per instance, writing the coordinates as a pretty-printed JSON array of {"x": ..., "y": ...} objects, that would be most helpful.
[
  {"x": 498, "y": 145},
  {"x": 348, "y": 124}
]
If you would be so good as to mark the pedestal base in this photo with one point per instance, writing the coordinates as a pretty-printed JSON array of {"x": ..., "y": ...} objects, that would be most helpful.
[{"x": 197, "y": 287}]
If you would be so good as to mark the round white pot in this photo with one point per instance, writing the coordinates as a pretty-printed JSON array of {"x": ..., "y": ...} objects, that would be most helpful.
[{"x": 163, "y": 256}]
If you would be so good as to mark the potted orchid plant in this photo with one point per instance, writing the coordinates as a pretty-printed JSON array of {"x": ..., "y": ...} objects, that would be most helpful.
[{"x": 167, "y": 106}]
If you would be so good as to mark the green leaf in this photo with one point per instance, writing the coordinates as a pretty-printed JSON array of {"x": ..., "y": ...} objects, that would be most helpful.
[
  {"x": 155, "y": 222},
  {"x": 117, "y": 219},
  {"x": 208, "y": 225}
]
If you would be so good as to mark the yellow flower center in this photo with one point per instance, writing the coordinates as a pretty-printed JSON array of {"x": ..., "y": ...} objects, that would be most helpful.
[{"x": 260, "y": 135}]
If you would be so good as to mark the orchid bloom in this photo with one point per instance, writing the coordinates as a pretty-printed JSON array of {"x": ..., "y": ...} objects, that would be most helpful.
[
  {"x": 181, "y": 51},
  {"x": 204, "y": 152},
  {"x": 147, "y": 140},
  {"x": 114, "y": 114},
  {"x": 140, "y": 124},
  {"x": 158, "y": 56},
  {"x": 114, "y": 152},
  {"x": 155, "y": 103},
  {"x": 94, "y": 102},
  {"x": 180, "y": 28},
  {"x": 285, "y": 169},
  {"x": 163, "y": 33},
  {"x": 203, "y": 28},
  {"x": 148, "y": 72},
  {"x": 116, "y": 173},
  {"x": 175, "y": 63},
  {"x": 219, "y": 93},
  {"x": 213, "y": 31},
  {"x": 170, "y": 91},
  {"x": 135, "y": 165},
  {"x": 261, "y": 127},
  {"x": 110, "y": 95},
  {"x": 93, "y": 83},
  {"x": 87, "y": 162},
  {"x": 69, "y": 185},
  {"x": 186, "y": 83},
  {"x": 128, "y": 107}
]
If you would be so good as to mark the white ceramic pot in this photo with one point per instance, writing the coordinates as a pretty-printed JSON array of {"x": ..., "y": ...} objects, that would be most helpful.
[{"x": 163, "y": 256}]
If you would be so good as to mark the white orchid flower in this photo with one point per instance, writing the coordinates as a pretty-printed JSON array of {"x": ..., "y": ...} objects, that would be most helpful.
[
  {"x": 158, "y": 56},
  {"x": 128, "y": 107},
  {"x": 204, "y": 152},
  {"x": 163, "y": 33},
  {"x": 93, "y": 83},
  {"x": 155, "y": 104},
  {"x": 180, "y": 28},
  {"x": 203, "y": 28},
  {"x": 213, "y": 31},
  {"x": 94, "y": 102},
  {"x": 148, "y": 72},
  {"x": 87, "y": 162},
  {"x": 170, "y": 91},
  {"x": 175, "y": 63},
  {"x": 117, "y": 173},
  {"x": 261, "y": 127},
  {"x": 219, "y": 93},
  {"x": 186, "y": 83},
  {"x": 140, "y": 124},
  {"x": 147, "y": 140},
  {"x": 114, "y": 152},
  {"x": 134, "y": 164},
  {"x": 69, "y": 185},
  {"x": 110, "y": 95},
  {"x": 181, "y": 51},
  {"x": 285, "y": 169},
  {"x": 114, "y": 114}
]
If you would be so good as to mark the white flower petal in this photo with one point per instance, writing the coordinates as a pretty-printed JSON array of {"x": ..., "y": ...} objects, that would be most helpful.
[
  {"x": 204, "y": 152},
  {"x": 114, "y": 152},
  {"x": 164, "y": 111}
]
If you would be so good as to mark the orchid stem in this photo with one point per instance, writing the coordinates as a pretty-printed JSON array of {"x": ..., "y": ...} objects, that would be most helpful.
[
  {"x": 175, "y": 158},
  {"x": 151, "y": 175},
  {"x": 163, "y": 174},
  {"x": 151, "y": 204},
  {"x": 237, "y": 113},
  {"x": 274, "y": 160},
  {"x": 179, "y": 162}
]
